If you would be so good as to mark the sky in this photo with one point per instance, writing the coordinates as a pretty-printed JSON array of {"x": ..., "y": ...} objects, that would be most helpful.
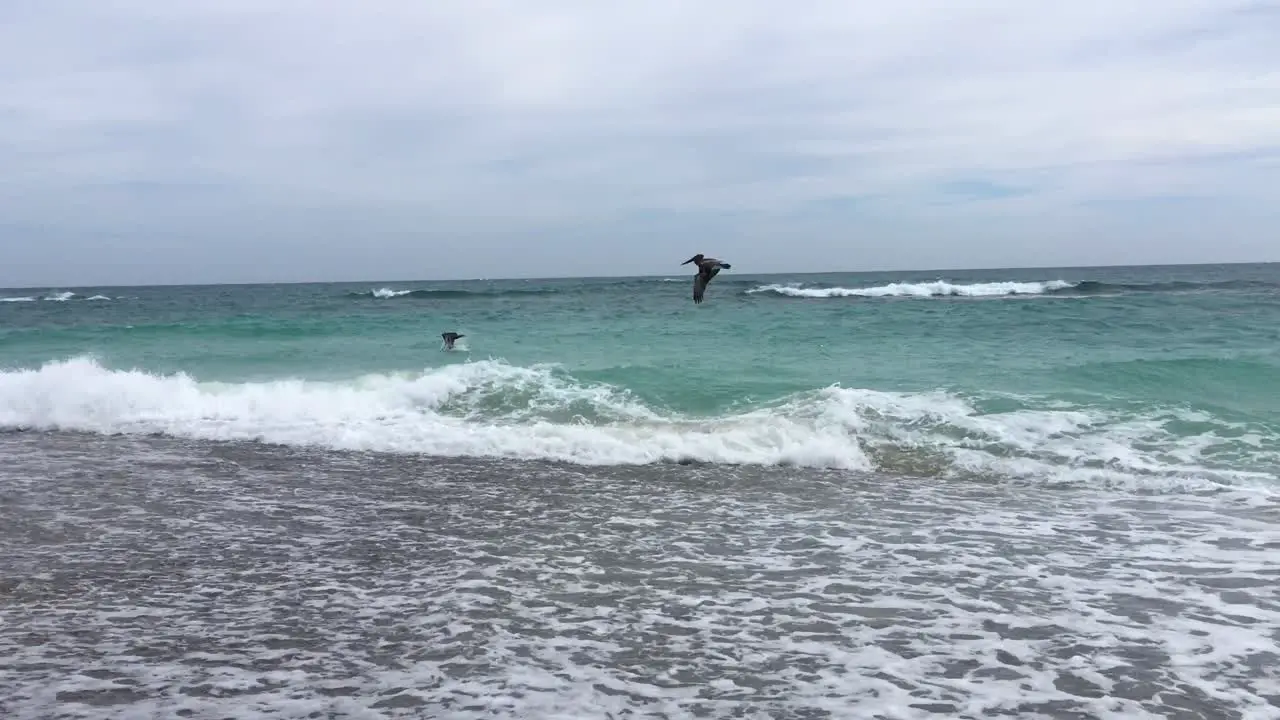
[{"x": 151, "y": 141}]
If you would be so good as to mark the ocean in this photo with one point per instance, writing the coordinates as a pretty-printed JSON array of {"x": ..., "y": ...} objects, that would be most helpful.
[{"x": 1033, "y": 493}]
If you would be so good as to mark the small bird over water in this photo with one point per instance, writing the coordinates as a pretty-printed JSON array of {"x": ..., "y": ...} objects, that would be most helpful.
[
  {"x": 707, "y": 269},
  {"x": 449, "y": 339}
]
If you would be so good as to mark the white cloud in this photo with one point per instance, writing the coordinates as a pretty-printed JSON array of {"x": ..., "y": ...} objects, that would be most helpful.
[{"x": 506, "y": 117}]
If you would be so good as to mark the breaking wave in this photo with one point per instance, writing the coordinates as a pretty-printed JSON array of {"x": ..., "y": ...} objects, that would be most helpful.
[
  {"x": 493, "y": 409},
  {"x": 930, "y": 289},
  {"x": 386, "y": 293},
  {"x": 62, "y": 296},
  {"x": 943, "y": 288}
]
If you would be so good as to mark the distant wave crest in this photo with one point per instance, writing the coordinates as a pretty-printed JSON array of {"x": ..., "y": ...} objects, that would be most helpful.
[
  {"x": 386, "y": 293},
  {"x": 494, "y": 409},
  {"x": 930, "y": 289},
  {"x": 943, "y": 288},
  {"x": 60, "y": 296}
]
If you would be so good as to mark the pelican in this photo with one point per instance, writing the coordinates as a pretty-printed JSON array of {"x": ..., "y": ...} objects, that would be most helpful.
[
  {"x": 707, "y": 269},
  {"x": 450, "y": 338}
]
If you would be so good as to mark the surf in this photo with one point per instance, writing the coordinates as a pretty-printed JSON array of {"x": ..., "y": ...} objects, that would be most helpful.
[
  {"x": 388, "y": 293},
  {"x": 1004, "y": 288},
  {"x": 60, "y": 296},
  {"x": 939, "y": 288},
  {"x": 493, "y": 409}
]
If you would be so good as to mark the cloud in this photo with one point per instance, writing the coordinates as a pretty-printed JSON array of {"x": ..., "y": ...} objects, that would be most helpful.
[{"x": 167, "y": 137}]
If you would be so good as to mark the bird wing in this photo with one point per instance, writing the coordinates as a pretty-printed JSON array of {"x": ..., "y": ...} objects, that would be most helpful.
[{"x": 705, "y": 273}]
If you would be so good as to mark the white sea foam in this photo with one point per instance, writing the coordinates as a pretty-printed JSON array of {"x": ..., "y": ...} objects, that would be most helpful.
[
  {"x": 490, "y": 408},
  {"x": 241, "y": 584},
  {"x": 940, "y": 288},
  {"x": 63, "y": 296},
  {"x": 384, "y": 293}
]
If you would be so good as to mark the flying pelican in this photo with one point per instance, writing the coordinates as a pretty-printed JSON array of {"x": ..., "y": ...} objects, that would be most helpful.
[
  {"x": 450, "y": 338},
  {"x": 707, "y": 269}
]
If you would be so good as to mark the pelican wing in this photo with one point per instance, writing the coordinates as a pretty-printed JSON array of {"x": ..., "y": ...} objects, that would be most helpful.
[{"x": 705, "y": 273}]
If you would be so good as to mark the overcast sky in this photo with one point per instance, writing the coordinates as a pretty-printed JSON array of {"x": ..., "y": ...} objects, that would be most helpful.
[{"x": 162, "y": 141}]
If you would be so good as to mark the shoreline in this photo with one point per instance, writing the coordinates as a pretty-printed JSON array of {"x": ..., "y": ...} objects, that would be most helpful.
[{"x": 155, "y": 575}]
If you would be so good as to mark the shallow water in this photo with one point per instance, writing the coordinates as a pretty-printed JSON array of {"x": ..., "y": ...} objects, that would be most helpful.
[{"x": 150, "y": 577}]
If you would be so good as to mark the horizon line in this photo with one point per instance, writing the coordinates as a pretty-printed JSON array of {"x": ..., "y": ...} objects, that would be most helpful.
[{"x": 620, "y": 277}]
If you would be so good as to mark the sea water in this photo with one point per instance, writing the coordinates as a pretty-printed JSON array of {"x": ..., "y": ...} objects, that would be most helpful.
[{"x": 1039, "y": 492}]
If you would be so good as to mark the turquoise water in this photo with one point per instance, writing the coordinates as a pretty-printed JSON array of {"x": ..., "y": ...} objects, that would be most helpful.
[{"x": 1155, "y": 377}]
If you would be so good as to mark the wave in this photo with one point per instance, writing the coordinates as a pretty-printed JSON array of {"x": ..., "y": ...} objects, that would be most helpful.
[
  {"x": 943, "y": 288},
  {"x": 1244, "y": 384},
  {"x": 62, "y": 296},
  {"x": 493, "y": 409},
  {"x": 391, "y": 293},
  {"x": 1088, "y": 287},
  {"x": 930, "y": 289}
]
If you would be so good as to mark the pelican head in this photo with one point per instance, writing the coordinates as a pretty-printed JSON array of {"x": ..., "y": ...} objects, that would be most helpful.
[{"x": 695, "y": 259}]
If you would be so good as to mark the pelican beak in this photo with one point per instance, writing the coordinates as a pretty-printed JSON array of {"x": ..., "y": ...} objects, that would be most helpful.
[{"x": 686, "y": 262}]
